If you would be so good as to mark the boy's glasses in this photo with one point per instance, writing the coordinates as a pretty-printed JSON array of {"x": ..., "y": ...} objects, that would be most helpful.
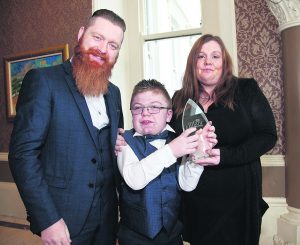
[{"x": 151, "y": 109}]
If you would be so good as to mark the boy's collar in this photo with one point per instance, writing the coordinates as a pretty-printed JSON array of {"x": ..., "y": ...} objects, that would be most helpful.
[{"x": 168, "y": 127}]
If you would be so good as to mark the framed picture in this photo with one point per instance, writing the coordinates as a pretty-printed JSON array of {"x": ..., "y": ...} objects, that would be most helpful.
[{"x": 16, "y": 66}]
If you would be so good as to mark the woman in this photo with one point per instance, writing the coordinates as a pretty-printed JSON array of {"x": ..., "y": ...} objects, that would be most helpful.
[{"x": 227, "y": 205}]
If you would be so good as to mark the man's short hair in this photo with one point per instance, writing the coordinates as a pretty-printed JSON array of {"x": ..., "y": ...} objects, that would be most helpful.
[{"x": 108, "y": 15}]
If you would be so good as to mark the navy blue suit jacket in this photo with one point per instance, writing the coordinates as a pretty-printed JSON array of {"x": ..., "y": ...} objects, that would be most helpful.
[{"x": 53, "y": 150}]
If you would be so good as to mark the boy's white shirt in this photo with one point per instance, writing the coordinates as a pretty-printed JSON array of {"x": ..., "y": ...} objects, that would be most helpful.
[{"x": 137, "y": 174}]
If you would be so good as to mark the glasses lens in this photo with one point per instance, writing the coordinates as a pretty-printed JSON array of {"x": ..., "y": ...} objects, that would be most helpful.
[
  {"x": 153, "y": 109},
  {"x": 136, "y": 110}
]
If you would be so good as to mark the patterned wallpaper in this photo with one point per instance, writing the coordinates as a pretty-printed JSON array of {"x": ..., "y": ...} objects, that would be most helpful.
[
  {"x": 28, "y": 25},
  {"x": 260, "y": 56}
]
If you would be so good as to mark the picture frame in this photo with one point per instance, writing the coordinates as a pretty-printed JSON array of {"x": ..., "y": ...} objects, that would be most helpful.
[{"x": 16, "y": 67}]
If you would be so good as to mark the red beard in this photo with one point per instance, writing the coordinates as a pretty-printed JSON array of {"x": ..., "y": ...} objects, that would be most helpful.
[{"x": 90, "y": 76}]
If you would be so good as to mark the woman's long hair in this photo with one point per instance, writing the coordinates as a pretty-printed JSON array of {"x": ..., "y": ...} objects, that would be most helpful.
[{"x": 191, "y": 87}]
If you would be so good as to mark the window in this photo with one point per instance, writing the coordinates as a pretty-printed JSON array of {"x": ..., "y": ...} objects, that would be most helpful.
[
  {"x": 169, "y": 29},
  {"x": 170, "y": 15},
  {"x": 159, "y": 36}
]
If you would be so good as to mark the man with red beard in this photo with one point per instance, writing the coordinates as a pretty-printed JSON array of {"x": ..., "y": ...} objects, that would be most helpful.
[{"x": 62, "y": 145}]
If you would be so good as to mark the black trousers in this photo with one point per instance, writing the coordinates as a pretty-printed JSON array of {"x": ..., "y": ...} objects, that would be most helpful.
[{"x": 95, "y": 230}]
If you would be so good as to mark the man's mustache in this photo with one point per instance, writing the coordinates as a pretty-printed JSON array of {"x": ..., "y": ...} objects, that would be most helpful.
[{"x": 96, "y": 52}]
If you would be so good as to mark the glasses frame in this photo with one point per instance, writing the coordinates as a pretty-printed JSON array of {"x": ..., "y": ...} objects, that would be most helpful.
[{"x": 150, "y": 109}]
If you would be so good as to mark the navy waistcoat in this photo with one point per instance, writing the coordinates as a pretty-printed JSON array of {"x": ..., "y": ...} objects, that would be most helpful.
[
  {"x": 105, "y": 180},
  {"x": 157, "y": 205}
]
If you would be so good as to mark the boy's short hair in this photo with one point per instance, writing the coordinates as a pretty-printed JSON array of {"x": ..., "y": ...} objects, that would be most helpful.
[{"x": 151, "y": 85}]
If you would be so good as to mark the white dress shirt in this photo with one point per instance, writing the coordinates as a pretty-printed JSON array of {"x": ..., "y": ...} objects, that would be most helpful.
[
  {"x": 97, "y": 108},
  {"x": 137, "y": 174}
]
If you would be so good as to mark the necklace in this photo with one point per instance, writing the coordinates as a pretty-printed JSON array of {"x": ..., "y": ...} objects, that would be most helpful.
[
  {"x": 95, "y": 104},
  {"x": 204, "y": 98},
  {"x": 96, "y": 108},
  {"x": 207, "y": 97}
]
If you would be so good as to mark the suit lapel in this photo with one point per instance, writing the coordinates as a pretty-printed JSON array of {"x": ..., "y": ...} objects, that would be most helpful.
[
  {"x": 80, "y": 101},
  {"x": 112, "y": 113}
]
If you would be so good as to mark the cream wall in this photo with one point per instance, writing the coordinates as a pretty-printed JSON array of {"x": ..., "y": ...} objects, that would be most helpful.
[{"x": 218, "y": 19}]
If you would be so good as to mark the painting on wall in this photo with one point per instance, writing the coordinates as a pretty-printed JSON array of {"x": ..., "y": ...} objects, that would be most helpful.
[{"x": 16, "y": 66}]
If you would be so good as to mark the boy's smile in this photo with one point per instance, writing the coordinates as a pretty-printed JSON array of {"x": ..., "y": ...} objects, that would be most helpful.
[{"x": 146, "y": 122}]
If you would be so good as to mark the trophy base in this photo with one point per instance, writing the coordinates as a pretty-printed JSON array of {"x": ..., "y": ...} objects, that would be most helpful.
[{"x": 198, "y": 156}]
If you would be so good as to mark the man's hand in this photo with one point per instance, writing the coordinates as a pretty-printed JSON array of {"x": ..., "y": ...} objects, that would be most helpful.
[{"x": 56, "y": 234}]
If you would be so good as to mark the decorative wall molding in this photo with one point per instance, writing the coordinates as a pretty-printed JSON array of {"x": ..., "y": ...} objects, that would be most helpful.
[
  {"x": 11, "y": 207},
  {"x": 3, "y": 157},
  {"x": 293, "y": 216},
  {"x": 276, "y": 201},
  {"x": 272, "y": 161},
  {"x": 288, "y": 228},
  {"x": 266, "y": 160},
  {"x": 287, "y": 12},
  {"x": 278, "y": 241}
]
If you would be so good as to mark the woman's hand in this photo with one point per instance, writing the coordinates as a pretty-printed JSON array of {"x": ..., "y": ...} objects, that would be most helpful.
[
  {"x": 207, "y": 140},
  {"x": 208, "y": 135},
  {"x": 120, "y": 142},
  {"x": 212, "y": 160}
]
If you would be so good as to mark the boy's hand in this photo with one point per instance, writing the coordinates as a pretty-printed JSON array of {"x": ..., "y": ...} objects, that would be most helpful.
[
  {"x": 120, "y": 142},
  {"x": 184, "y": 144}
]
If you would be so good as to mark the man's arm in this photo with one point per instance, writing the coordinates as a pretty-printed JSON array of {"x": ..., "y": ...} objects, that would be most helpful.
[{"x": 27, "y": 140}]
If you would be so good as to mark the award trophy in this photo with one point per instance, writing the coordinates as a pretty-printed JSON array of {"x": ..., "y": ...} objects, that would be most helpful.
[{"x": 193, "y": 116}]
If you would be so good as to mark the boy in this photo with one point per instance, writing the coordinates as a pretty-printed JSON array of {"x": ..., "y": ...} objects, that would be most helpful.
[{"x": 149, "y": 191}]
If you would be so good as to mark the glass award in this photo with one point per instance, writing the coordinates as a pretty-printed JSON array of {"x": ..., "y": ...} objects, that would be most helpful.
[{"x": 193, "y": 116}]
